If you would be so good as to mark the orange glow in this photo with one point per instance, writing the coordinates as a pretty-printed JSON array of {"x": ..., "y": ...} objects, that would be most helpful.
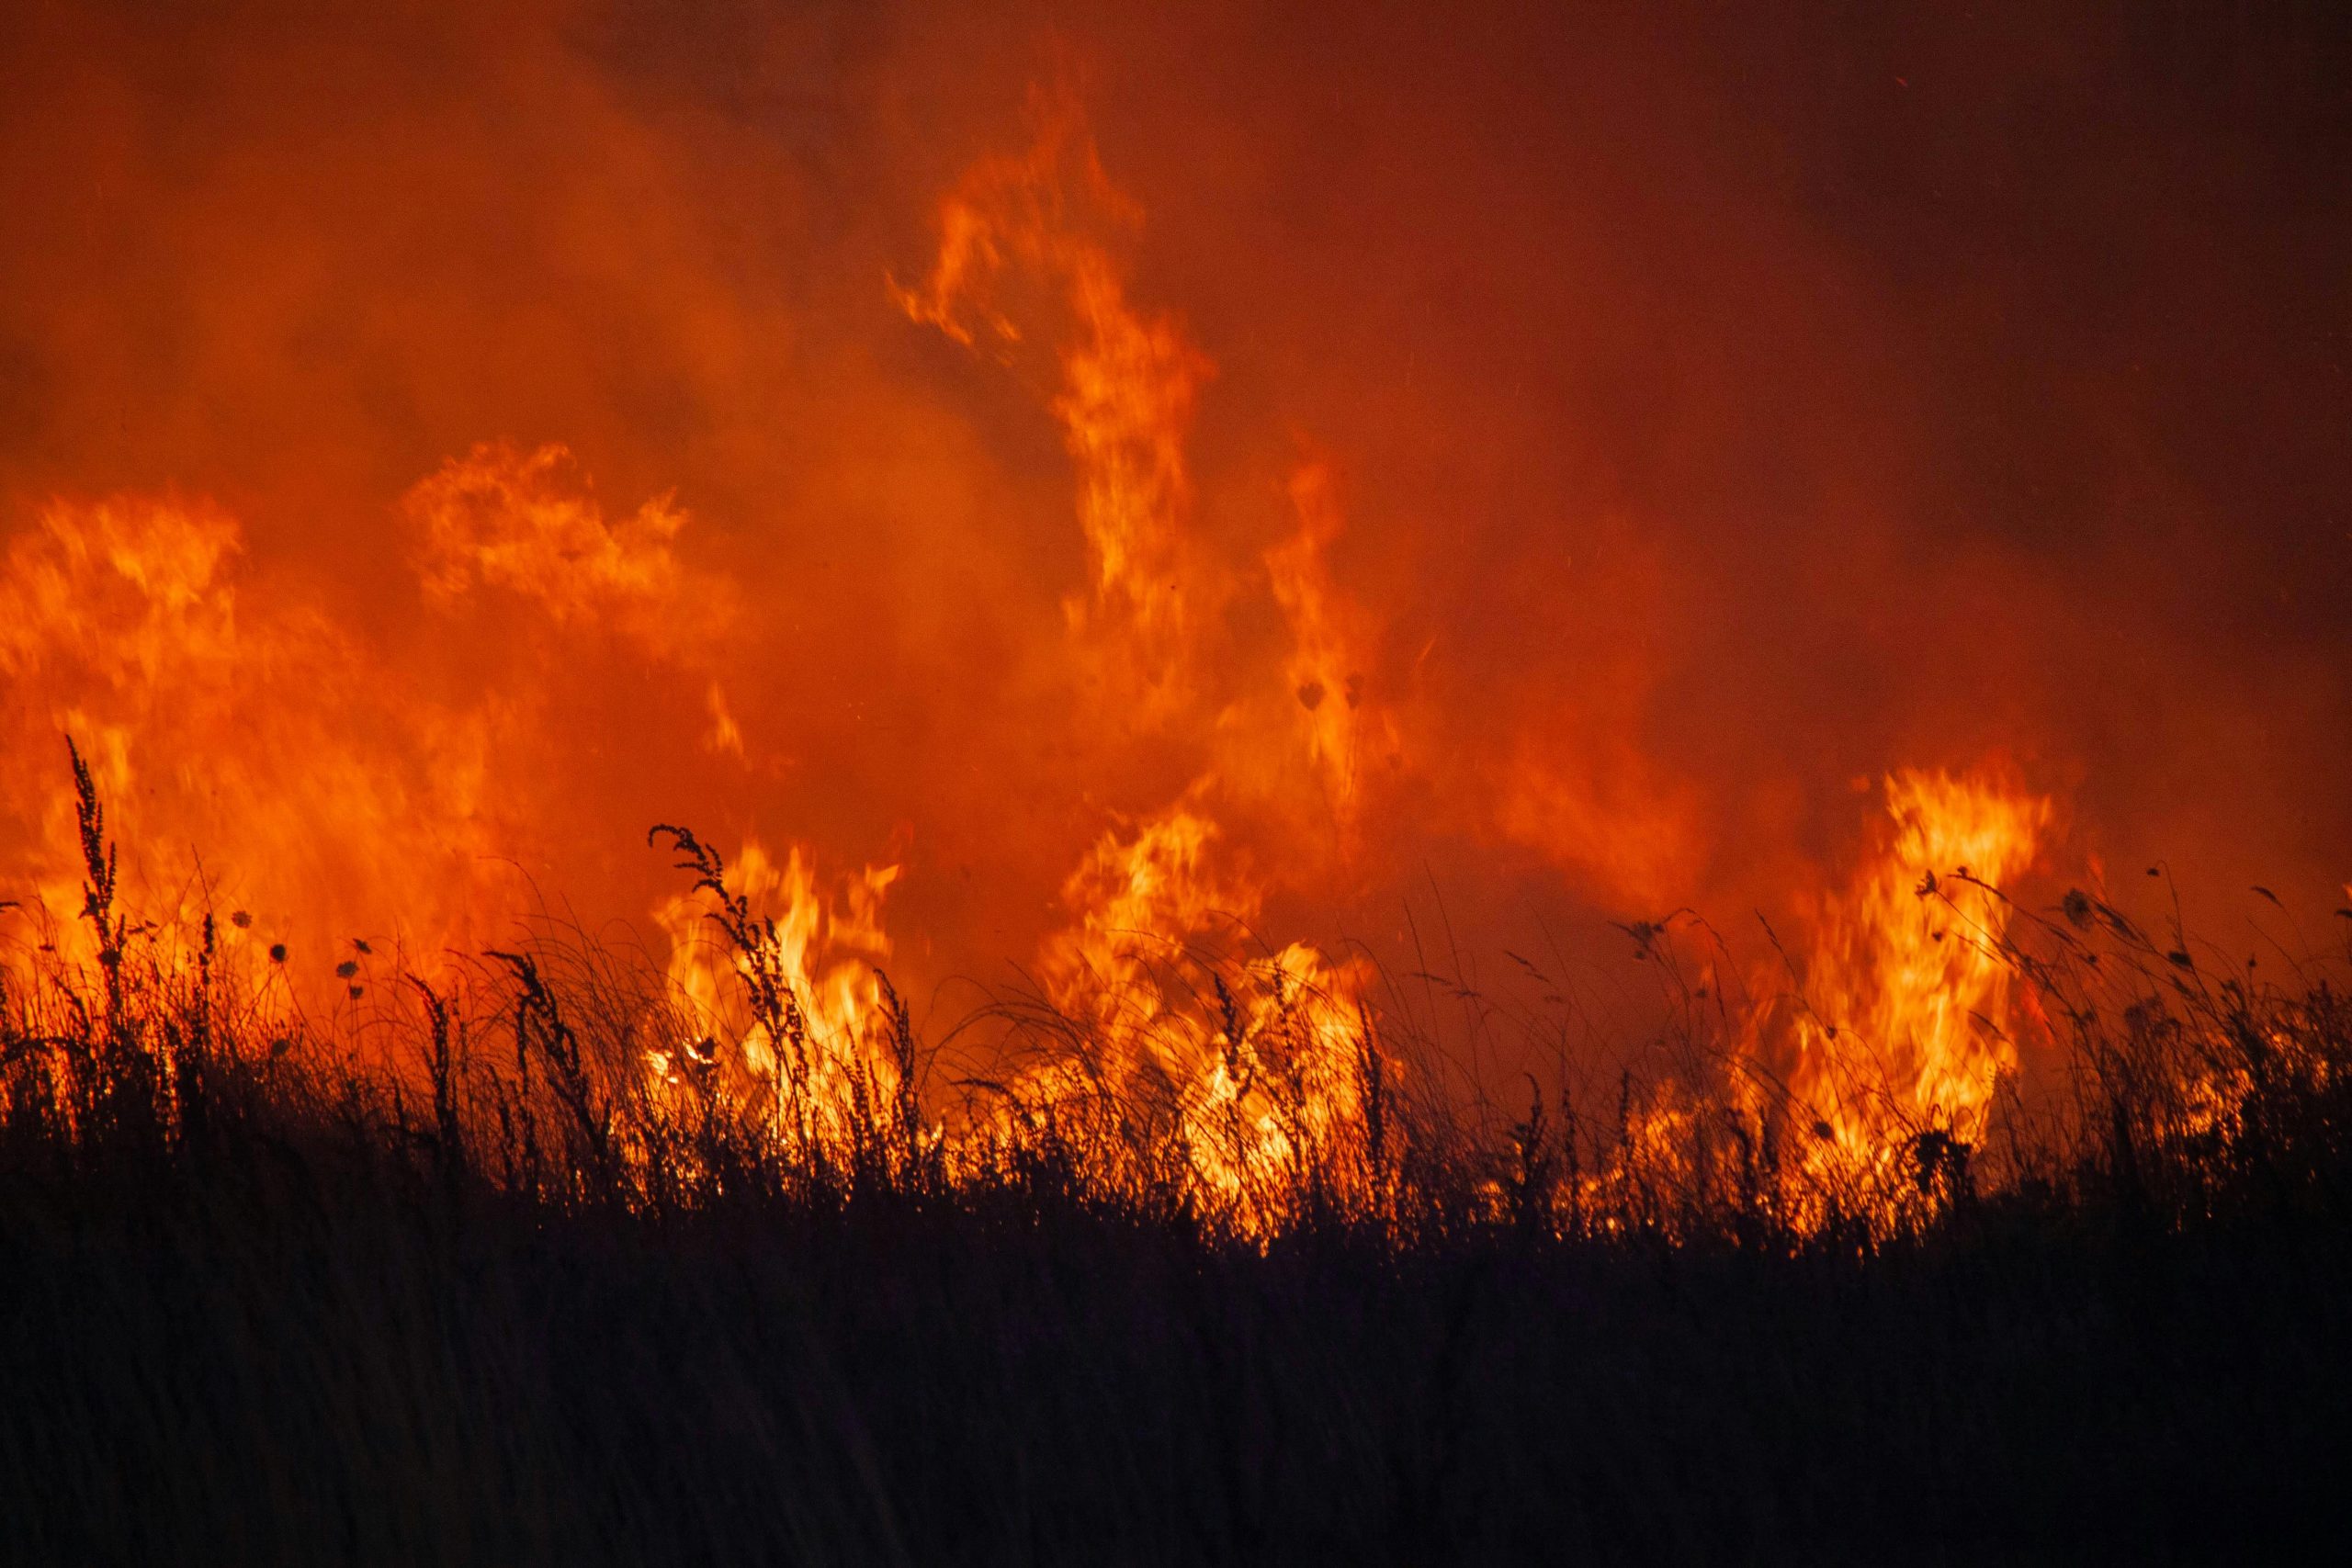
[
  {"x": 1098, "y": 543},
  {"x": 296, "y": 784},
  {"x": 827, "y": 953},
  {"x": 1332, "y": 648},
  {"x": 1128, "y": 380},
  {"x": 1904, "y": 1025}
]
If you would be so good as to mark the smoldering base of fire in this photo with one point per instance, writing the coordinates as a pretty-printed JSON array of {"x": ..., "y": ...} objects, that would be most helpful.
[{"x": 520, "y": 1272}]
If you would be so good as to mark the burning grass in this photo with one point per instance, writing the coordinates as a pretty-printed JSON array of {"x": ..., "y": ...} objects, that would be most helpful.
[{"x": 547, "y": 1255}]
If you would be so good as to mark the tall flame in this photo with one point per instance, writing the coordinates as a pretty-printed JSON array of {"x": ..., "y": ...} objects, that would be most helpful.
[
  {"x": 1128, "y": 378},
  {"x": 1904, "y": 1028}
]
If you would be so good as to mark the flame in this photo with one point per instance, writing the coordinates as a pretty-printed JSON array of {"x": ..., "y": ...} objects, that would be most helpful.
[
  {"x": 1138, "y": 899},
  {"x": 1254, "y": 683},
  {"x": 236, "y": 722},
  {"x": 523, "y": 524},
  {"x": 1333, "y": 646},
  {"x": 1905, "y": 1025},
  {"x": 1128, "y": 380},
  {"x": 829, "y": 946},
  {"x": 817, "y": 1055},
  {"x": 262, "y": 738},
  {"x": 1262, "y": 1085},
  {"x": 1256, "y": 1083}
]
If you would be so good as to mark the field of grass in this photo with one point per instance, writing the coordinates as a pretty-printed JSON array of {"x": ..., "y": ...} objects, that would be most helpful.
[{"x": 490, "y": 1291}]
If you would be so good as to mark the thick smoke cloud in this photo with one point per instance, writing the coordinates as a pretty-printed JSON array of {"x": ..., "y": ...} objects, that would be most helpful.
[{"x": 1714, "y": 414}]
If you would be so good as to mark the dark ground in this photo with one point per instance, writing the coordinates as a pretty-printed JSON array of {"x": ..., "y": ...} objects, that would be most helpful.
[{"x": 285, "y": 1360}]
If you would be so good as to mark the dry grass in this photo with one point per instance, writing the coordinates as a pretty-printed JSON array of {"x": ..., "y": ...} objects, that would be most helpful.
[{"x": 507, "y": 1296}]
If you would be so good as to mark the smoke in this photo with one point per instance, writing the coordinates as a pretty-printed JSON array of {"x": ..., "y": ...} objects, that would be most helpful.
[{"x": 1543, "y": 464}]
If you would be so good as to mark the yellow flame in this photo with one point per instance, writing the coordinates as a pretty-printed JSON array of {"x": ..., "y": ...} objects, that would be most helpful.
[{"x": 1905, "y": 1026}]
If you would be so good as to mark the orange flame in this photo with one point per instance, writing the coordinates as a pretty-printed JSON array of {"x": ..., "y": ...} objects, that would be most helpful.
[
  {"x": 1128, "y": 381},
  {"x": 827, "y": 950},
  {"x": 1905, "y": 1026},
  {"x": 236, "y": 719},
  {"x": 1333, "y": 647},
  {"x": 261, "y": 739}
]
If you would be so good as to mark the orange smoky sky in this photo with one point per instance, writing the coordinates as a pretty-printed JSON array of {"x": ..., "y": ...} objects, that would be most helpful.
[{"x": 1554, "y": 463}]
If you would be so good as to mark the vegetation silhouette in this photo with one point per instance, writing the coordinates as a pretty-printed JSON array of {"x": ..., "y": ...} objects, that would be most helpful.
[{"x": 533, "y": 1271}]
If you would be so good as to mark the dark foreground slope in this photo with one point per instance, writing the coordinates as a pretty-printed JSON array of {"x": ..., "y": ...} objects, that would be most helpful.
[{"x": 279, "y": 1354}]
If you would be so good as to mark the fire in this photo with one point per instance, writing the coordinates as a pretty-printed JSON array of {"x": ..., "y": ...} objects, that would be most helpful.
[
  {"x": 1128, "y": 380},
  {"x": 828, "y": 947},
  {"x": 252, "y": 737},
  {"x": 1255, "y": 1085},
  {"x": 1259, "y": 1085},
  {"x": 1902, "y": 1026},
  {"x": 1333, "y": 646},
  {"x": 351, "y": 787},
  {"x": 130, "y": 618},
  {"x": 1106, "y": 608},
  {"x": 499, "y": 521},
  {"x": 1136, "y": 900},
  {"x": 795, "y": 989},
  {"x": 1265, "y": 1084},
  {"x": 270, "y": 763}
]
